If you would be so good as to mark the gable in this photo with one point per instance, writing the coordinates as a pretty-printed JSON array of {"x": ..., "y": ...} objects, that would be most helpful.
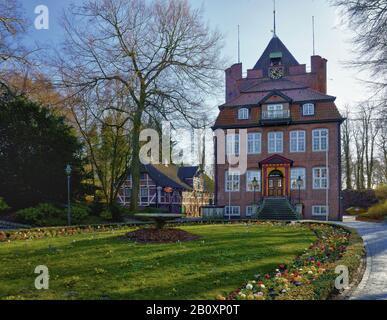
[
  {"x": 276, "y": 159},
  {"x": 274, "y": 97}
]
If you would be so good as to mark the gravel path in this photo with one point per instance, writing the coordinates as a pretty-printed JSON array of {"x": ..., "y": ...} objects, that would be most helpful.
[{"x": 374, "y": 283}]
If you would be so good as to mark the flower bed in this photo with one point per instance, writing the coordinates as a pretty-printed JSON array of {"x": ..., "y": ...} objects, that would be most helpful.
[
  {"x": 52, "y": 232},
  {"x": 40, "y": 233},
  {"x": 311, "y": 276}
]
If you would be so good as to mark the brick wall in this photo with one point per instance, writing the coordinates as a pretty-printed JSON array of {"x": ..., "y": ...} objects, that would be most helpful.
[{"x": 307, "y": 160}]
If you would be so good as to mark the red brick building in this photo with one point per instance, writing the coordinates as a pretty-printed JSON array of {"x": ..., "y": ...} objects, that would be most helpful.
[{"x": 293, "y": 138}]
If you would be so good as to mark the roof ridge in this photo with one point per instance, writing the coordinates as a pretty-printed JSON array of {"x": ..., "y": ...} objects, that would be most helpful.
[
  {"x": 177, "y": 181},
  {"x": 324, "y": 94},
  {"x": 301, "y": 86}
]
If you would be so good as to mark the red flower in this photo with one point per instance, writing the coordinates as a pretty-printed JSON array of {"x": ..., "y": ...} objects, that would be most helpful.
[{"x": 267, "y": 276}]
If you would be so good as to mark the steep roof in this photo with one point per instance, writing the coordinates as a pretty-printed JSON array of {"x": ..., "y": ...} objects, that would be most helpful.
[
  {"x": 296, "y": 95},
  {"x": 266, "y": 85},
  {"x": 167, "y": 176},
  {"x": 275, "y": 46},
  {"x": 187, "y": 172},
  {"x": 228, "y": 117}
]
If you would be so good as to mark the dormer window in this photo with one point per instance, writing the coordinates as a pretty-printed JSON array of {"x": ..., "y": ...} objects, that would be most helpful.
[
  {"x": 275, "y": 111},
  {"x": 276, "y": 58},
  {"x": 308, "y": 109},
  {"x": 243, "y": 114}
]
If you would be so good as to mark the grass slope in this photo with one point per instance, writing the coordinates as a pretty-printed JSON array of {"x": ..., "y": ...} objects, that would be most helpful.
[{"x": 102, "y": 266}]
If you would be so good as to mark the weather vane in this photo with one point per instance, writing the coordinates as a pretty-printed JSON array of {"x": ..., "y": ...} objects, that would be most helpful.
[{"x": 275, "y": 24}]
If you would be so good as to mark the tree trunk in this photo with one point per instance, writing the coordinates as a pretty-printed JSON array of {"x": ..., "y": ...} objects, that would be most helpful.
[
  {"x": 347, "y": 155},
  {"x": 135, "y": 163}
]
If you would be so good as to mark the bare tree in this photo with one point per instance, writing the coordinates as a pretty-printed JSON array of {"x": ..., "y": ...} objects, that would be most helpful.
[
  {"x": 360, "y": 155},
  {"x": 382, "y": 146},
  {"x": 370, "y": 131},
  {"x": 368, "y": 19},
  {"x": 347, "y": 143},
  {"x": 364, "y": 134},
  {"x": 164, "y": 55},
  {"x": 105, "y": 133},
  {"x": 12, "y": 28}
]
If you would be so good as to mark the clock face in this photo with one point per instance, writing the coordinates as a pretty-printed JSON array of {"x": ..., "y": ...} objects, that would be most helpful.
[{"x": 276, "y": 73}]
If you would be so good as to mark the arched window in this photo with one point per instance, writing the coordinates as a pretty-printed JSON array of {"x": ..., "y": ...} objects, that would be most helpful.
[{"x": 243, "y": 114}]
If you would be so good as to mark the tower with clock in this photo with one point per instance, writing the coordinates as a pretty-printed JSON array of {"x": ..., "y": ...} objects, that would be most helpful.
[{"x": 293, "y": 139}]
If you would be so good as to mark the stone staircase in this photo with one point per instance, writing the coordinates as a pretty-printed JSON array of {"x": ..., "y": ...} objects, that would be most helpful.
[{"x": 277, "y": 209}]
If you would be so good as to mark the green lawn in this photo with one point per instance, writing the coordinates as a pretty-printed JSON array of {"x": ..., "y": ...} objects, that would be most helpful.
[{"x": 102, "y": 266}]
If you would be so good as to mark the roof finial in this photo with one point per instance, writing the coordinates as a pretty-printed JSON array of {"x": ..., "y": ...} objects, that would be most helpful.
[{"x": 275, "y": 24}]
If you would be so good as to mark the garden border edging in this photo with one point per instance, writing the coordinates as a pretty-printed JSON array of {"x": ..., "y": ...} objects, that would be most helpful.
[{"x": 361, "y": 275}]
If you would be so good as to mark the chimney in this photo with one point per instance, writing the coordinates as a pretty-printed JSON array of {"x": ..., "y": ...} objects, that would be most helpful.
[
  {"x": 319, "y": 68},
  {"x": 233, "y": 74}
]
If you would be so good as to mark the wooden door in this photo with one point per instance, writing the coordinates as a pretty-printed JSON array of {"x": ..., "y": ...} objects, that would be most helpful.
[{"x": 276, "y": 187}]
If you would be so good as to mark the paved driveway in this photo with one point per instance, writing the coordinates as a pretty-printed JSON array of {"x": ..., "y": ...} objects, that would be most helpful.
[{"x": 374, "y": 283}]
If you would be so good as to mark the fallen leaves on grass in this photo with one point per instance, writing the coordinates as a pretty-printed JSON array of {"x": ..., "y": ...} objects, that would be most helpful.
[{"x": 161, "y": 236}]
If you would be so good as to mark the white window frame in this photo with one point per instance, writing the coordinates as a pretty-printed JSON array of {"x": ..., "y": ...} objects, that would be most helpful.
[
  {"x": 320, "y": 178},
  {"x": 308, "y": 109},
  {"x": 254, "y": 143},
  {"x": 300, "y": 139},
  {"x": 250, "y": 174},
  {"x": 243, "y": 114},
  {"x": 317, "y": 136},
  {"x": 233, "y": 179},
  {"x": 235, "y": 211},
  {"x": 317, "y": 211},
  {"x": 146, "y": 189},
  {"x": 294, "y": 177},
  {"x": 274, "y": 138},
  {"x": 274, "y": 109},
  {"x": 232, "y": 142},
  {"x": 252, "y": 211}
]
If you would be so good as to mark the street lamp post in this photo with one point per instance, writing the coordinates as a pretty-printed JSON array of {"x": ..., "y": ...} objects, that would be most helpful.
[
  {"x": 68, "y": 173},
  {"x": 255, "y": 185},
  {"x": 299, "y": 184}
]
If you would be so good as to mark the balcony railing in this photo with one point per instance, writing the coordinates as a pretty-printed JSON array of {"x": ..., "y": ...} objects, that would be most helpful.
[{"x": 275, "y": 114}]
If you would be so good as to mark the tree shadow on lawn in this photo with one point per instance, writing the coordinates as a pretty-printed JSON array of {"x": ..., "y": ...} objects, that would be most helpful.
[
  {"x": 256, "y": 244},
  {"x": 202, "y": 287},
  {"x": 125, "y": 263}
]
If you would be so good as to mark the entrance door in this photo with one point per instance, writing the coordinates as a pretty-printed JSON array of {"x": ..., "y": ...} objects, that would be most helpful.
[{"x": 276, "y": 187}]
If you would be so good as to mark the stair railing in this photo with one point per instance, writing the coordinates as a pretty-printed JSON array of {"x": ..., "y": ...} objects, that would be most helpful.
[{"x": 261, "y": 206}]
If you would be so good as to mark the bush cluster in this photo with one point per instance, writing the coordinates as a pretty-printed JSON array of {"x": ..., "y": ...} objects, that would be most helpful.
[
  {"x": 381, "y": 192},
  {"x": 46, "y": 214},
  {"x": 3, "y": 205},
  {"x": 359, "y": 199},
  {"x": 377, "y": 212}
]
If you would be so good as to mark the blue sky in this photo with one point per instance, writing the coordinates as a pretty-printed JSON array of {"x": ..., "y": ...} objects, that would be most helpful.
[{"x": 255, "y": 17}]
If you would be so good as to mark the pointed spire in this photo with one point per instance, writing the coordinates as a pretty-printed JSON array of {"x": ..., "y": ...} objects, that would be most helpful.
[{"x": 275, "y": 23}]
